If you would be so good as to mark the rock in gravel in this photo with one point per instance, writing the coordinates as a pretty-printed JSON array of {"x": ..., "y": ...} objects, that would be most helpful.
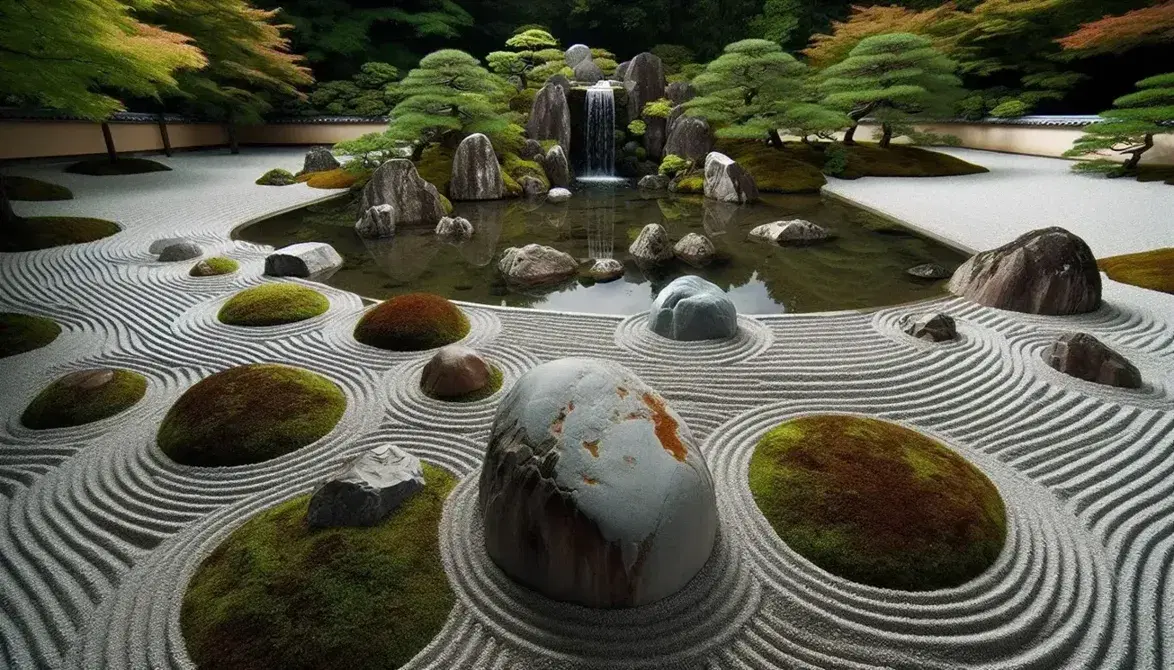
[
  {"x": 1084, "y": 356},
  {"x": 536, "y": 265},
  {"x": 652, "y": 245},
  {"x": 604, "y": 270},
  {"x": 593, "y": 490},
  {"x": 162, "y": 243},
  {"x": 694, "y": 249},
  {"x": 795, "y": 232},
  {"x": 928, "y": 271},
  {"x": 690, "y": 309},
  {"x": 397, "y": 183},
  {"x": 475, "y": 172},
  {"x": 454, "y": 228},
  {"x": 304, "y": 259},
  {"x": 931, "y": 326},
  {"x": 454, "y": 370},
  {"x": 377, "y": 222},
  {"x": 726, "y": 180},
  {"x": 319, "y": 159},
  {"x": 653, "y": 182},
  {"x": 180, "y": 251},
  {"x": 1046, "y": 271},
  {"x": 557, "y": 195},
  {"x": 367, "y": 489}
]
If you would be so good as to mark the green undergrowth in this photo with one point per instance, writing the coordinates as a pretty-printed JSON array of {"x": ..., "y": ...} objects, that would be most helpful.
[
  {"x": 491, "y": 387},
  {"x": 104, "y": 167},
  {"x": 63, "y": 404},
  {"x": 867, "y": 159},
  {"x": 27, "y": 188},
  {"x": 774, "y": 171},
  {"x": 24, "y": 332},
  {"x": 276, "y": 177},
  {"x": 435, "y": 166},
  {"x": 1148, "y": 269},
  {"x": 45, "y": 232},
  {"x": 272, "y": 305}
]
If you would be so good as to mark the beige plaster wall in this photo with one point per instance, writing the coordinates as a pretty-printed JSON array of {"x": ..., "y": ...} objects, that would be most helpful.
[
  {"x": 305, "y": 133},
  {"x": 41, "y": 139}
]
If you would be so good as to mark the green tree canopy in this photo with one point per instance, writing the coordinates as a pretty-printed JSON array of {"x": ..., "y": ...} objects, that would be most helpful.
[
  {"x": 530, "y": 49},
  {"x": 365, "y": 94},
  {"x": 1130, "y": 126}
]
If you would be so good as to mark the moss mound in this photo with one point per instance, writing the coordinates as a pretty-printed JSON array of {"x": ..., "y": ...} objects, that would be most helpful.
[
  {"x": 412, "y": 322},
  {"x": 336, "y": 178},
  {"x": 694, "y": 183},
  {"x": 773, "y": 170},
  {"x": 212, "y": 267},
  {"x": 27, "y": 188},
  {"x": 250, "y": 414},
  {"x": 493, "y": 386},
  {"x": 272, "y": 305},
  {"x": 1148, "y": 269},
  {"x": 277, "y": 594},
  {"x": 45, "y": 232},
  {"x": 84, "y": 396},
  {"x": 877, "y": 503},
  {"x": 435, "y": 166},
  {"x": 276, "y": 177},
  {"x": 867, "y": 159},
  {"x": 517, "y": 168},
  {"x": 104, "y": 167},
  {"x": 24, "y": 332}
]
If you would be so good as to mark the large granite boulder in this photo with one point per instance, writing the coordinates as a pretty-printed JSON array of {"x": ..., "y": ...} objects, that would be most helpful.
[
  {"x": 557, "y": 167},
  {"x": 690, "y": 309},
  {"x": 550, "y": 117},
  {"x": 377, "y": 222},
  {"x": 694, "y": 249},
  {"x": 587, "y": 71},
  {"x": 304, "y": 259},
  {"x": 593, "y": 490},
  {"x": 622, "y": 70},
  {"x": 367, "y": 489},
  {"x": 931, "y": 326},
  {"x": 577, "y": 53},
  {"x": 796, "y": 232},
  {"x": 1046, "y": 271},
  {"x": 690, "y": 138},
  {"x": 454, "y": 228},
  {"x": 536, "y": 265},
  {"x": 475, "y": 172},
  {"x": 319, "y": 159},
  {"x": 453, "y": 371},
  {"x": 605, "y": 270},
  {"x": 679, "y": 92},
  {"x": 397, "y": 183},
  {"x": 727, "y": 181},
  {"x": 1084, "y": 356},
  {"x": 644, "y": 81},
  {"x": 652, "y": 245},
  {"x": 183, "y": 250}
]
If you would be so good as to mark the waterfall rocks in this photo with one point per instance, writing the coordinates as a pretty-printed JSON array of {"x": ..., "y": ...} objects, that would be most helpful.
[
  {"x": 550, "y": 117},
  {"x": 532, "y": 186},
  {"x": 536, "y": 265},
  {"x": 557, "y": 167},
  {"x": 593, "y": 490},
  {"x": 652, "y": 245},
  {"x": 531, "y": 150},
  {"x": 180, "y": 250},
  {"x": 397, "y": 183},
  {"x": 694, "y": 249},
  {"x": 377, "y": 222},
  {"x": 1046, "y": 271},
  {"x": 653, "y": 182},
  {"x": 605, "y": 270},
  {"x": 599, "y": 132},
  {"x": 475, "y": 172},
  {"x": 454, "y": 371},
  {"x": 560, "y": 79},
  {"x": 367, "y": 489},
  {"x": 930, "y": 326},
  {"x": 304, "y": 259},
  {"x": 645, "y": 82},
  {"x": 319, "y": 159},
  {"x": 690, "y": 138},
  {"x": 454, "y": 228},
  {"x": 796, "y": 232},
  {"x": 727, "y": 181},
  {"x": 691, "y": 309},
  {"x": 622, "y": 70},
  {"x": 679, "y": 92},
  {"x": 1085, "y": 357},
  {"x": 557, "y": 195},
  {"x": 577, "y": 53},
  {"x": 928, "y": 271},
  {"x": 587, "y": 72}
]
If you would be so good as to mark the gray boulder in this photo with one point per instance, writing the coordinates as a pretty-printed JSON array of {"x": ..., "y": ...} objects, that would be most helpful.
[
  {"x": 605, "y": 270},
  {"x": 679, "y": 92},
  {"x": 655, "y": 132},
  {"x": 377, "y": 222},
  {"x": 475, "y": 172},
  {"x": 690, "y": 309},
  {"x": 550, "y": 117},
  {"x": 928, "y": 271},
  {"x": 931, "y": 326},
  {"x": 1084, "y": 356},
  {"x": 367, "y": 489},
  {"x": 694, "y": 249},
  {"x": 593, "y": 490},
  {"x": 690, "y": 138},
  {"x": 675, "y": 114},
  {"x": 577, "y": 53},
  {"x": 644, "y": 81},
  {"x": 319, "y": 159},
  {"x": 557, "y": 167},
  {"x": 453, "y": 371},
  {"x": 796, "y": 232},
  {"x": 652, "y": 245},
  {"x": 531, "y": 149},
  {"x": 653, "y": 182},
  {"x": 160, "y": 244},
  {"x": 558, "y": 194},
  {"x": 560, "y": 79},
  {"x": 1046, "y": 271},
  {"x": 622, "y": 70},
  {"x": 454, "y": 228},
  {"x": 536, "y": 265},
  {"x": 303, "y": 259},
  {"x": 587, "y": 71},
  {"x": 180, "y": 251},
  {"x": 726, "y": 181},
  {"x": 397, "y": 183},
  {"x": 532, "y": 187}
]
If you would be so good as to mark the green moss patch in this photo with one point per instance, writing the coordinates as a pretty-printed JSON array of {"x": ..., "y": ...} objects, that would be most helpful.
[
  {"x": 867, "y": 159},
  {"x": 493, "y": 386},
  {"x": 215, "y": 266},
  {"x": 272, "y": 305},
  {"x": 44, "y": 232},
  {"x": 774, "y": 171},
  {"x": 1149, "y": 269},
  {"x": 278, "y": 594},
  {"x": 104, "y": 167},
  {"x": 84, "y": 397},
  {"x": 877, "y": 503},
  {"x": 435, "y": 166},
  {"x": 277, "y": 177},
  {"x": 250, "y": 414},
  {"x": 694, "y": 183},
  {"x": 27, "y": 188},
  {"x": 24, "y": 332},
  {"x": 330, "y": 179},
  {"x": 412, "y": 322},
  {"x": 517, "y": 168}
]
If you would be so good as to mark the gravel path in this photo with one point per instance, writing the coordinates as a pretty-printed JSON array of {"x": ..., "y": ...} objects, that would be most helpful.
[{"x": 100, "y": 532}]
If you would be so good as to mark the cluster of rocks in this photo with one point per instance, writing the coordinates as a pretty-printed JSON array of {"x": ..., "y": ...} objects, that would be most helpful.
[
  {"x": 653, "y": 247},
  {"x": 579, "y": 59},
  {"x": 172, "y": 249}
]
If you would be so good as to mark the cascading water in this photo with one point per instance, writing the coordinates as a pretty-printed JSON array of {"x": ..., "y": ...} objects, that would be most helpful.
[{"x": 600, "y": 131}]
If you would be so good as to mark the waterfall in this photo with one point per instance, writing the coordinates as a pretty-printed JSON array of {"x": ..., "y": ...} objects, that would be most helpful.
[{"x": 600, "y": 131}]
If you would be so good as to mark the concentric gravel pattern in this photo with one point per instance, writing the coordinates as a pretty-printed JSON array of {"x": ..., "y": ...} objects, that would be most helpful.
[{"x": 100, "y": 532}]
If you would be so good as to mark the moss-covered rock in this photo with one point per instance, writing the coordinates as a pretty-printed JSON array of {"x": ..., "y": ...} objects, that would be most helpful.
[
  {"x": 412, "y": 322},
  {"x": 330, "y": 179},
  {"x": 1148, "y": 269},
  {"x": 83, "y": 397},
  {"x": 446, "y": 204},
  {"x": 212, "y": 267},
  {"x": 104, "y": 167},
  {"x": 272, "y": 305},
  {"x": 27, "y": 188},
  {"x": 774, "y": 171},
  {"x": 689, "y": 183},
  {"x": 517, "y": 168},
  {"x": 277, "y": 177},
  {"x": 278, "y": 594},
  {"x": 511, "y": 187},
  {"x": 877, "y": 503},
  {"x": 24, "y": 332},
  {"x": 250, "y": 414},
  {"x": 45, "y": 232},
  {"x": 435, "y": 166}
]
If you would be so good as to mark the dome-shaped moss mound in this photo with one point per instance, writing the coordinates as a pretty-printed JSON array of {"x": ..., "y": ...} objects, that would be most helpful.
[
  {"x": 877, "y": 503},
  {"x": 24, "y": 332},
  {"x": 250, "y": 414},
  {"x": 83, "y": 397},
  {"x": 412, "y": 322},
  {"x": 277, "y": 594},
  {"x": 27, "y": 188},
  {"x": 272, "y": 305},
  {"x": 213, "y": 267},
  {"x": 45, "y": 232}
]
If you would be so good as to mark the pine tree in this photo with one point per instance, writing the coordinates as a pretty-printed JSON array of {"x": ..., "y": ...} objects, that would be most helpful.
[
  {"x": 1129, "y": 128},
  {"x": 530, "y": 49},
  {"x": 893, "y": 77}
]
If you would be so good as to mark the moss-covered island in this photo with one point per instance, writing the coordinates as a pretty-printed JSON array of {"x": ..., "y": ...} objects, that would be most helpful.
[
  {"x": 34, "y": 190},
  {"x": 44, "y": 232},
  {"x": 1152, "y": 269},
  {"x": 104, "y": 167},
  {"x": 412, "y": 322},
  {"x": 83, "y": 397},
  {"x": 213, "y": 267},
  {"x": 273, "y": 305},
  {"x": 24, "y": 332},
  {"x": 877, "y": 503}
]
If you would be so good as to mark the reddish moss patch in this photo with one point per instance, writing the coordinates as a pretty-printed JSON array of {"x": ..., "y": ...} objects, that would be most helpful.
[
  {"x": 412, "y": 322},
  {"x": 665, "y": 426},
  {"x": 877, "y": 503},
  {"x": 1148, "y": 269},
  {"x": 336, "y": 178}
]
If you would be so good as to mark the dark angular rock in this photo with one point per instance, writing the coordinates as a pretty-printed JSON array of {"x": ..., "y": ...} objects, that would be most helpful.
[
  {"x": 679, "y": 92},
  {"x": 931, "y": 326},
  {"x": 367, "y": 489},
  {"x": 690, "y": 138},
  {"x": 397, "y": 183},
  {"x": 319, "y": 159},
  {"x": 1085, "y": 357}
]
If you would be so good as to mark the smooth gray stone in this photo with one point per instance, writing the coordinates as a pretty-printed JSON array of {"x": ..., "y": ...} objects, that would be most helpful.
[
  {"x": 557, "y": 195},
  {"x": 366, "y": 490},
  {"x": 304, "y": 259},
  {"x": 577, "y": 53},
  {"x": 691, "y": 309},
  {"x": 180, "y": 251},
  {"x": 536, "y": 265},
  {"x": 694, "y": 249}
]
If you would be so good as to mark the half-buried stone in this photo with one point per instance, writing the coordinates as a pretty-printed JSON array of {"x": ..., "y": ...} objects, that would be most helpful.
[
  {"x": 304, "y": 259},
  {"x": 182, "y": 250},
  {"x": 691, "y": 308},
  {"x": 456, "y": 373},
  {"x": 412, "y": 322},
  {"x": 83, "y": 397},
  {"x": 1085, "y": 357},
  {"x": 593, "y": 490},
  {"x": 367, "y": 489}
]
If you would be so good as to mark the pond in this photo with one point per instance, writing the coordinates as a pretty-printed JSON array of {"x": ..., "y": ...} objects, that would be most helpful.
[{"x": 864, "y": 266}]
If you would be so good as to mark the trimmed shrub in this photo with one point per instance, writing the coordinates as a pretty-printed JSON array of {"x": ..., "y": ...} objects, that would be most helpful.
[
  {"x": 412, "y": 322},
  {"x": 671, "y": 164},
  {"x": 273, "y": 305}
]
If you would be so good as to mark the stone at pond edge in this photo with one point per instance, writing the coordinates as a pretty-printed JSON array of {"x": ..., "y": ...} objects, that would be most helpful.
[
  {"x": 557, "y": 195},
  {"x": 652, "y": 245},
  {"x": 727, "y": 181},
  {"x": 377, "y": 222},
  {"x": 931, "y": 326},
  {"x": 367, "y": 489},
  {"x": 532, "y": 187},
  {"x": 557, "y": 167},
  {"x": 397, "y": 183},
  {"x": 454, "y": 228},
  {"x": 691, "y": 308},
  {"x": 653, "y": 182},
  {"x": 1085, "y": 357},
  {"x": 319, "y": 159},
  {"x": 577, "y": 53},
  {"x": 455, "y": 370},
  {"x": 304, "y": 259},
  {"x": 928, "y": 271},
  {"x": 550, "y": 117},
  {"x": 476, "y": 174},
  {"x": 795, "y": 232},
  {"x": 1046, "y": 271},
  {"x": 694, "y": 249},
  {"x": 180, "y": 251},
  {"x": 690, "y": 138},
  {"x": 536, "y": 265},
  {"x": 605, "y": 270},
  {"x": 593, "y": 490}
]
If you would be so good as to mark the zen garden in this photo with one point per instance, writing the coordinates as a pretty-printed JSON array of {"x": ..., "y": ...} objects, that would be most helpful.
[{"x": 587, "y": 334}]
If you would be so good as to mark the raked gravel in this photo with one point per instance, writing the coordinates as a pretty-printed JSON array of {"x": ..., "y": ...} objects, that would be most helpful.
[{"x": 100, "y": 532}]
